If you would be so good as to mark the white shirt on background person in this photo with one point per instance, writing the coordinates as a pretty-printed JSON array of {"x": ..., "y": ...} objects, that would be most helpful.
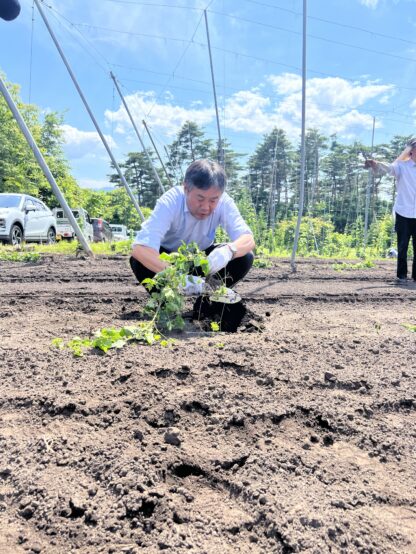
[{"x": 405, "y": 174}]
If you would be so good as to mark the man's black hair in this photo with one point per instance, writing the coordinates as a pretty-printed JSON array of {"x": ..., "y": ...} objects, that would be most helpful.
[{"x": 204, "y": 174}]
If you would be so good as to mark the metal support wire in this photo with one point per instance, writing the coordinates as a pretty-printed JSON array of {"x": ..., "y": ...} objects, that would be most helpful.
[
  {"x": 103, "y": 139},
  {"x": 46, "y": 171}
]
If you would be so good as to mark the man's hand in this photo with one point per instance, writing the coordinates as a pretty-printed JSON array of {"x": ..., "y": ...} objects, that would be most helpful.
[
  {"x": 194, "y": 286},
  {"x": 370, "y": 164},
  {"x": 219, "y": 258}
]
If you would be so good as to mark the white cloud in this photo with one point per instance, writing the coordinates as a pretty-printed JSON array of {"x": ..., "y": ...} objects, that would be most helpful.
[
  {"x": 332, "y": 106},
  {"x": 165, "y": 117},
  {"x": 333, "y": 92},
  {"x": 95, "y": 184},
  {"x": 79, "y": 144},
  {"x": 370, "y": 3},
  {"x": 247, "y": 111},
  {"x": 286, "y": 83}
]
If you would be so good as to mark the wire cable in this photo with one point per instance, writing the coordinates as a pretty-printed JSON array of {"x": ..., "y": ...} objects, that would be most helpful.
[{"x": 332, "y": 22}]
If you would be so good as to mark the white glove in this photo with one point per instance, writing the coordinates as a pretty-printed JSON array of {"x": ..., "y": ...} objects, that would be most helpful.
[
  {"x": 225, "y": 296},
  {"x": 194, "y": 286},
  {"x": 219, "y": 258}
]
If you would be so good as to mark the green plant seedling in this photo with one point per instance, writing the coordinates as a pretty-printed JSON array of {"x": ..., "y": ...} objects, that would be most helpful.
[
  {"x": 58, "y": 343},
  {"x": 164, "y": 307}
]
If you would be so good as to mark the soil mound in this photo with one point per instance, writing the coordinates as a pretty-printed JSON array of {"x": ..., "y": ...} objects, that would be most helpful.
[{"x": 230, "y": 317}]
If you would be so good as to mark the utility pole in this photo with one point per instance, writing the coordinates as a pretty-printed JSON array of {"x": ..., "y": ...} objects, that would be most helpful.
[
  {"x": 46, "y": 171},
  {"x": 157, "y": 153},
  {"x": 302, "y": 145},
  {"x": 220, "y": 147},
  {"x": 155, "y": 173},
  {"x": 87, "y": 107}
]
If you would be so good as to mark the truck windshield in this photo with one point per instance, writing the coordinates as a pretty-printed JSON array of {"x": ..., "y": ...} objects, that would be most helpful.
[
  {"x": 9, "y": 200},
  {"x": 60, "y": 214}
]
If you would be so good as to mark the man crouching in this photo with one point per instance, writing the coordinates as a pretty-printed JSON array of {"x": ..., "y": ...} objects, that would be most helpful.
[{"x": 192, "y": 213}]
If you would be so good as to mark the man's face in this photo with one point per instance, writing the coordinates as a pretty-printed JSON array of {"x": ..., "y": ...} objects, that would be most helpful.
[{"x": 201, "y": 203}]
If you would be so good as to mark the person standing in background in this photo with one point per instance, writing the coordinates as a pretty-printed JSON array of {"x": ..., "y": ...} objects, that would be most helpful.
[{"x": 404, "y": 170}]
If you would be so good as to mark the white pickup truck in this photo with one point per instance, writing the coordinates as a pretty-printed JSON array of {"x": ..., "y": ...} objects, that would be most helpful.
[
  {"x": 119, "y": 231},
  {"x": 64, "y": 229}
]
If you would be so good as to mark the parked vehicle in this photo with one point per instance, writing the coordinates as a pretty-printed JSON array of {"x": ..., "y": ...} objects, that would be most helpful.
[
  {"x": 65, "y": 229},
  {"x": 23, "y": 217},
  {"x": 102, "y": 230},
  {"x": 119, "y": 231}
]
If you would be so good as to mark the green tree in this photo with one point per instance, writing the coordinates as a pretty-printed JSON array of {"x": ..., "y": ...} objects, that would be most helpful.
[
  {"x": 268, "y": 177},
  {"x": 190, "y": 145}
]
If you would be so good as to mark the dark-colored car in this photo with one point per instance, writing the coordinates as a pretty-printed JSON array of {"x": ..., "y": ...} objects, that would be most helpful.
[{"x": 102, "y": 230}]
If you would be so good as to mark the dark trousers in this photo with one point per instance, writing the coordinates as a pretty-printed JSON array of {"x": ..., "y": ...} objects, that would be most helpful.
[
  {"x": 234, "y": 271},
  {"x": 405, "y": 228}
]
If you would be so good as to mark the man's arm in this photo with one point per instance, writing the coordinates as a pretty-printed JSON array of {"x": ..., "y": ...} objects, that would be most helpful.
[
  {"x": 244, "y": 244},
  {"x": 147, "y": 243},
  {"x": 379, "y": 168},
  {"x": 149, "y": 257}
]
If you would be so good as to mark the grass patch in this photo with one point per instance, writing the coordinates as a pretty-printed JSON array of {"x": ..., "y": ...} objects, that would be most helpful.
[
  {"x": 17, "y": 256},
  {"x": 366, "y": 264},
  {"x": 262, "y": 262},
  {"x": 33, "y": 252}
]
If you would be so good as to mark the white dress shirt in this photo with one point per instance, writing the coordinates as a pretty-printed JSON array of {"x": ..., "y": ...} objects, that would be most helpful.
[
  {"x": 405, "y": 174},
  {"x": 171, "y": 223}
]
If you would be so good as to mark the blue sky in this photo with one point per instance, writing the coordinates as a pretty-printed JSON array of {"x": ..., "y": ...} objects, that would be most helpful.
[{"x": 361, "y": 62}]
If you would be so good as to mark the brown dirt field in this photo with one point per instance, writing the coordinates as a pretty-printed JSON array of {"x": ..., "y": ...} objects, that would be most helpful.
[{"x": 300, "y": 438}]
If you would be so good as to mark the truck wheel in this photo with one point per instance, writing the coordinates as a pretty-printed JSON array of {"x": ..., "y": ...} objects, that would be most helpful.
[
  {"x": 16, "y": 235},
  {"x": 51, "y": 236}
]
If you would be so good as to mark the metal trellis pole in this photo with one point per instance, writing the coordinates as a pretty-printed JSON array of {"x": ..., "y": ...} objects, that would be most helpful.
[
  {"x": 302, "y": 146},
  {"x": 46, "y": 171},
  {"x": 368, "y": 191},
  {"x": 157, "y": 152},
  {"x": 155, "y": 173},
  {"x": 220, "y": 147},
  {"x": 173, "y": 164},
  {"x": 103, "y": 140}
]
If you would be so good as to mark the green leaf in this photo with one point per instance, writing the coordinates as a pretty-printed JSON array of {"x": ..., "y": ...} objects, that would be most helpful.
[{"x": 58, "y": 343}]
